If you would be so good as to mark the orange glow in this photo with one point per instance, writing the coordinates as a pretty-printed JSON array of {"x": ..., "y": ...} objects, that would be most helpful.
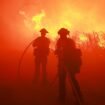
[
  {"x": 68, "y": 19},
  {"x": 20, "y": 22}
]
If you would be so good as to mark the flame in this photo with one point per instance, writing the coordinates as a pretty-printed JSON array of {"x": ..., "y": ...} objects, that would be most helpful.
[
  {"x": 83, "y": 38},
  {"x": 52, "y": 27},
  {"x": 37, "y": 19},
  {"x": 101, "y": 42},
  {"x": 36, "y": 22}
]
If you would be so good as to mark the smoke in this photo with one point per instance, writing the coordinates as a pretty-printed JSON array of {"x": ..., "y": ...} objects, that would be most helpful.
[{"x": 81, "y": 15}]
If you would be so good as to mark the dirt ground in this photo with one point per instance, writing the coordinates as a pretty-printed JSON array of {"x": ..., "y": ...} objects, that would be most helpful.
[{"x": 24, "y": 92}]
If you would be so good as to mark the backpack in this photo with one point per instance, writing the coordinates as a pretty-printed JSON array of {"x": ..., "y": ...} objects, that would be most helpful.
[
  {"x": 69, "y": 55},
  {"x": 73, "y": 60}
]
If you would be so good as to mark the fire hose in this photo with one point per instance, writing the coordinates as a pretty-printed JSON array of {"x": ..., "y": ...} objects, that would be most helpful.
[{"x": 21, "y": 59}]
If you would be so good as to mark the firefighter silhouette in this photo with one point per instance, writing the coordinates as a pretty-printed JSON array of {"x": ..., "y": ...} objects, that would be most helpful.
[
  {"x": 41, "y": 52},
  {"x": 69, "y": 62}
]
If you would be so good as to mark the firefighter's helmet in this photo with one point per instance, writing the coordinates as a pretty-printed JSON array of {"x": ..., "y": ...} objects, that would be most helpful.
[
  {"x": 63, "y": 31},
  {"x": 43, "y": 30}
]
